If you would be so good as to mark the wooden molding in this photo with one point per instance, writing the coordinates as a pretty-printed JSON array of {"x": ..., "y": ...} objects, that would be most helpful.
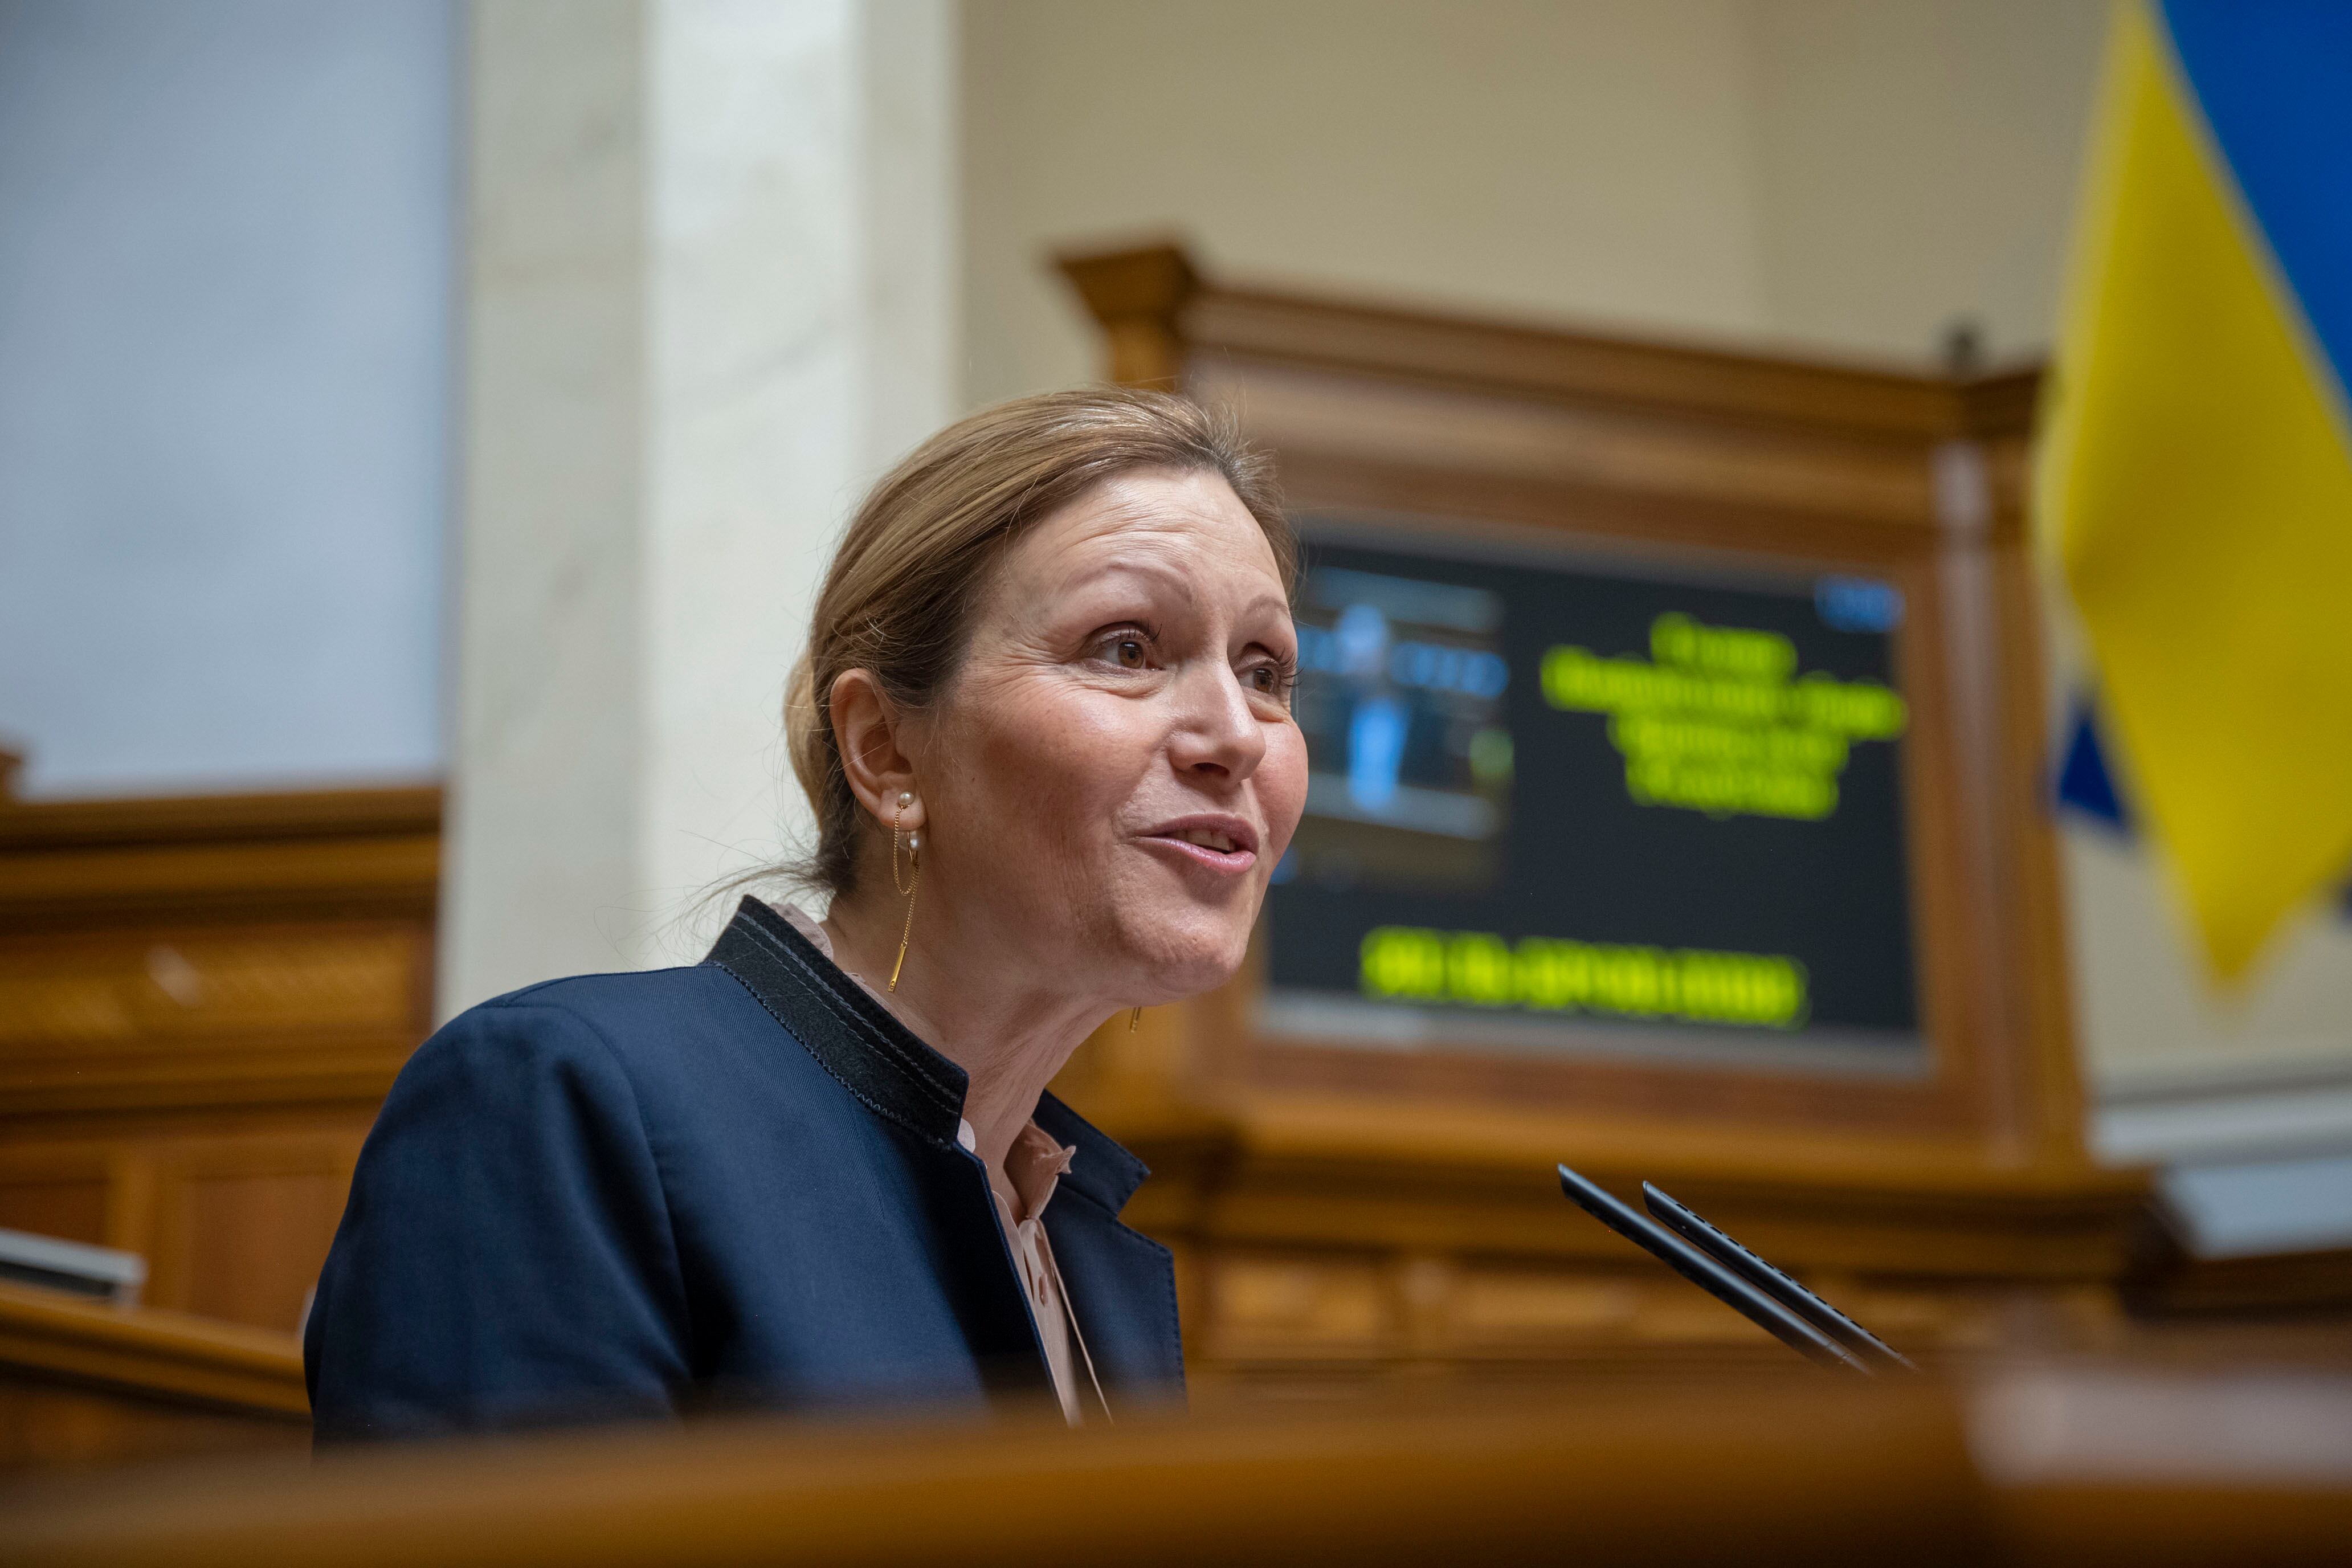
[
  {"x": 1320, "y": 1174},
  {"x": 356, "y": 1070},
  {"x": 1159, "y": 284},
  {"x": 334, "y": 853},
  {"x": 1137, "y": 296},
  {"x": 2165, "y": 1282},
  {"x": 2001, "y": 405},
  {"x": 402, "y": 812},
  {"x": 1152, "y": 280},
  {"x": 166, "y": 1355}
]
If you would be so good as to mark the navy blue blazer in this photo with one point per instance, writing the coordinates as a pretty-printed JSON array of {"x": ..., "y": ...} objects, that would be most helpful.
[{"x": 631, "y": 1195}]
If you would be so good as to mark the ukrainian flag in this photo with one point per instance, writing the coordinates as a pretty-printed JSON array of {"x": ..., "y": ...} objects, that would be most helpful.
[{"x": 2196, "y": 462}]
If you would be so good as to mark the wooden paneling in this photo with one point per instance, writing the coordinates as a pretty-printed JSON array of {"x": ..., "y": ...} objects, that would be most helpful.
[
  {"x": 50, "y": 1425},
  {"x": 66, "y": 1200},
  {"x": 226, "y": 1014},
  {"x": 242, "y": 1221},
  {"x": 232, "y": 1210},
  {"x": 202, "y": 1004}
]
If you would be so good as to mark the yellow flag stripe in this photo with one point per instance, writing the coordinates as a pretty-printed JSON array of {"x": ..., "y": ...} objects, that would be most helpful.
[{"x": 2198, "y": 476}]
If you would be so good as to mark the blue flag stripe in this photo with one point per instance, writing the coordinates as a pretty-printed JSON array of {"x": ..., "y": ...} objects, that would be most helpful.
[{"x": 2275, "y": 81}]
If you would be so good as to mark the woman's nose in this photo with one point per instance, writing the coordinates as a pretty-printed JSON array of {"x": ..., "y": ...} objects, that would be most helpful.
[{"x": 1216, "y": 730}]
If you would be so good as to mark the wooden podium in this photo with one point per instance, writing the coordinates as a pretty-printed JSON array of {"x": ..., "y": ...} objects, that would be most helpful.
[{"x": 1342, "y": 1212}]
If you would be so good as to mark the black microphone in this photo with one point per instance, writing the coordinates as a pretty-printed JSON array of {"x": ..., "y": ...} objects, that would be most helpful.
[
  {"x": 1710, "y": 1276},
  {"x": 1772, "y": 1282}
]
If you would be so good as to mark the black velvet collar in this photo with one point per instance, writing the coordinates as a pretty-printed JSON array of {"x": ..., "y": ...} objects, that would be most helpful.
[{"x": 881, "y": 1061}]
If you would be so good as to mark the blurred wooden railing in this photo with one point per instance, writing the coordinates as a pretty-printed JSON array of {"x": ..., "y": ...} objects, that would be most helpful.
[
  {"x": 2073, "y": 1468},
  {"x": 85, "y": 1383}
]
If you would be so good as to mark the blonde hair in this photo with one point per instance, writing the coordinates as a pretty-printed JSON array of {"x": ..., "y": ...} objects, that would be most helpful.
[{"x": 899, "y": 598}]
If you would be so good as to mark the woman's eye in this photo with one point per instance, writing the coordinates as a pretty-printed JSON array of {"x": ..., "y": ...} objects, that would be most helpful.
[
  {"x": 1271, "y": 679},
  {"x": 1128, "y": 653}
]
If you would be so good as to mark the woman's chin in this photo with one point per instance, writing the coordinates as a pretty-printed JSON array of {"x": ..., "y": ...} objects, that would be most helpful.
[{"x": 1184, "y": 952}]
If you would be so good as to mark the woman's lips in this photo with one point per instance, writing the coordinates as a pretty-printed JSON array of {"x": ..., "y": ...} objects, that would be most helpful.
[
  {"x": 1220, "y": 843},
  {"x": 1228, "y": 860}
]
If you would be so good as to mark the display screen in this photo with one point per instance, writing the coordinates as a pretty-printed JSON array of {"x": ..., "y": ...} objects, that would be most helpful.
[{"x": 1567, "y": 805}]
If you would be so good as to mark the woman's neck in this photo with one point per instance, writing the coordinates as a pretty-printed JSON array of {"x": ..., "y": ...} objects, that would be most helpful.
[{"x": 1009, "y": 1031}]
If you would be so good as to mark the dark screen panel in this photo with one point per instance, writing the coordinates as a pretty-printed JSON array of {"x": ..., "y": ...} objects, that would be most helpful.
[{"x": 1553, "y": 798}]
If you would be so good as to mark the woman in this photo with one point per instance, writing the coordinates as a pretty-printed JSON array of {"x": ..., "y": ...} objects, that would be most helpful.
[{"x": 1043, "y": 720}]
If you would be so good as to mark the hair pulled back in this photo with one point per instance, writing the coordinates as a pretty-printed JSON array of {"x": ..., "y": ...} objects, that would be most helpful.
[{"x": 911, "y": 567}]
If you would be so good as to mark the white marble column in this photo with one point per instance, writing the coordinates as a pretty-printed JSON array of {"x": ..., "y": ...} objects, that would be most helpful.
[{"x": 711, "y": 288}]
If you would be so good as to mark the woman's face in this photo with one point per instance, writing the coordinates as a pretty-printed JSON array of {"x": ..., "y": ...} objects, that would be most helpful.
[{"x": 1114, "y": 772}]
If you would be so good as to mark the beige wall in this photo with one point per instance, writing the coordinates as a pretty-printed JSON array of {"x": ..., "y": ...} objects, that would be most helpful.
[
  {"x": 1916, "y": 163},
  {"x": 1591, "y": 160},
  {"x": 1842, "y": 176}
]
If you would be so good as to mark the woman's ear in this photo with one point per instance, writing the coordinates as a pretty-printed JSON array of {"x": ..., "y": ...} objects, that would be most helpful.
[{"x": 869, "y": 735}]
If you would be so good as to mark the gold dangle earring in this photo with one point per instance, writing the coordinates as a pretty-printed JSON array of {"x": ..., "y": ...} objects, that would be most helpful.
[
  {"x": 1134, "y": 1017},
  {"x": 914, "y": 879}
]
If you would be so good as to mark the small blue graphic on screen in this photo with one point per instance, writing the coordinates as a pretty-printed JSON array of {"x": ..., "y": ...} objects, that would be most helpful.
[
  {"x": 1402, "y": 681},
  {"x": 1858, "y": 604},
  {"x": 1375, "y": 751}
]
